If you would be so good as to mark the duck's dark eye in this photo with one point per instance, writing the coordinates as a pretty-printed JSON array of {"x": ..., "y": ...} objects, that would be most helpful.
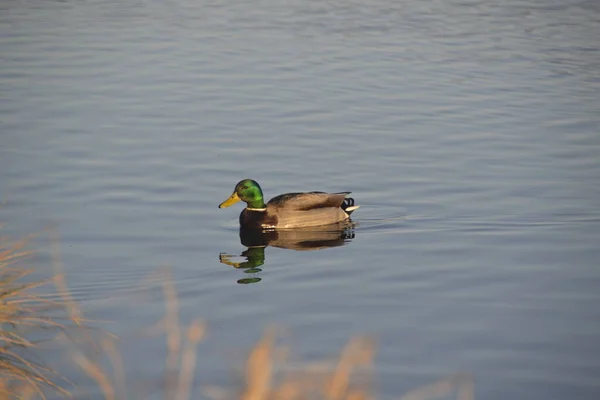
[{"x": 245, "y": 188}]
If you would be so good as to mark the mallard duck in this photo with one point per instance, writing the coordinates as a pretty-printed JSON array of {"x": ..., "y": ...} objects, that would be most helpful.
[{"x": 289, "y": 210}]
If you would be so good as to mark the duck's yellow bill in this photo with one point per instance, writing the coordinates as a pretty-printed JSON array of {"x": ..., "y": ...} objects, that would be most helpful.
[{"x": 234, "y": 198}]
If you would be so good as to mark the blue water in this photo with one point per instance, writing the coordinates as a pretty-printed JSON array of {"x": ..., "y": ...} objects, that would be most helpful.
[{"x": 469, "y": 133}]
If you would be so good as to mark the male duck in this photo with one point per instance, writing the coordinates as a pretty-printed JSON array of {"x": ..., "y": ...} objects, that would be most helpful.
[{"x": 289, "y": 210}]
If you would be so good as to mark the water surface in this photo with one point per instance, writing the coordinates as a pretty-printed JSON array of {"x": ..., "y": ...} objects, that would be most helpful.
[{"x": 467, "y": 131}]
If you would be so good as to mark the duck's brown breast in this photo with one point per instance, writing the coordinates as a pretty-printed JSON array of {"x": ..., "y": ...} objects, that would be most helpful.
[{"x": 257, "y": 219}]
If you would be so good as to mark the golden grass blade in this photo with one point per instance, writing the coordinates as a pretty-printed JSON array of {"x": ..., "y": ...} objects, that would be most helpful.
[
  {"x": 195, "y": 333},
  {"x": 358, "y": 352},
  {"x": 95, "y": 372},
  {"x": 259, "y": 369},
  {"x": 173, "y": 335},
  {"x": 116, "y": 361}
]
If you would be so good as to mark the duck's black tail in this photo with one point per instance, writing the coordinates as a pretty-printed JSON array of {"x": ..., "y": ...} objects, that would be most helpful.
[{"x": 348, "y": 205}]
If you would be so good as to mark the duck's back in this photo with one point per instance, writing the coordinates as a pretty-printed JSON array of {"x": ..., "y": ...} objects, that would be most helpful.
[{"x": 307, "y": 201}]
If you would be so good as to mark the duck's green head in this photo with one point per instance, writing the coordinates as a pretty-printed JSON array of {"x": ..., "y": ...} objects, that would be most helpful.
[{"x": 248, "y": 191}]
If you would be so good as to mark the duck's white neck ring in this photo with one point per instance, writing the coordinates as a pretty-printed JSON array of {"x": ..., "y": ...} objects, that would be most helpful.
[{"x": 256, "y": 209}]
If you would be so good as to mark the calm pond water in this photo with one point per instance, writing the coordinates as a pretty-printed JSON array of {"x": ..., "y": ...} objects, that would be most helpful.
[{"x": 468, "y": 131}]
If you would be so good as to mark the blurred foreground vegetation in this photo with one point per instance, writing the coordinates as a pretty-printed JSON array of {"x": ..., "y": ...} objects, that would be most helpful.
[{"x": 54, "y": 317}]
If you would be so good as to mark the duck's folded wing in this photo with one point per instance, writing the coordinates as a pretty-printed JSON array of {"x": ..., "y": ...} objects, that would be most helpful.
[
  {"x": 308, "y": 201},
  {"x": 315, "y": 217}
]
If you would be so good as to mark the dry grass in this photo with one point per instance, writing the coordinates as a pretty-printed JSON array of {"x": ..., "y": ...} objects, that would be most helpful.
[
  {"x": 347, "y": 378},
  {"x": 22, "y": 312},
  {"x": 267, "y": 373}
]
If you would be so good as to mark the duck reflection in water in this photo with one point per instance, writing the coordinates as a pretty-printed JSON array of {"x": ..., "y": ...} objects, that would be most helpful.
[{"x": 257, "y": 240}]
